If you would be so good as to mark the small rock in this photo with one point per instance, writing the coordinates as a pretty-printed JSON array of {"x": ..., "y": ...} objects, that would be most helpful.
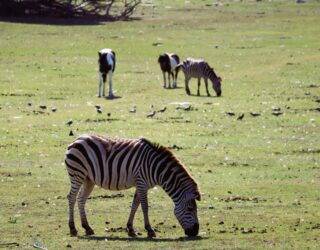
[
  {"x": 247, "y": 231},
  {"x": 43, "y": 106},
  {"x": 275, "y": 108},
  {"x": 317, "y": 108},
  {"x": 133, "y": 110},
  {"x": 71, "y": 133},
  {"x": 186, "y": 108},
  {"x": 221, "y": 223},
  {"x": 29, "y": 104},
  {"x": 53, "y": 109},
  {"x": 151, "y": 114},
  {"x": 254, "y": 114},
  {"x": 162, "y": 110},
  {"x": 108, "y": 114},
  {"x": 277, "y": 113},
  {"x": 317, "y": 100},
  {"x": 99, "y": 111},
  {"x": 68, "y": 246}
]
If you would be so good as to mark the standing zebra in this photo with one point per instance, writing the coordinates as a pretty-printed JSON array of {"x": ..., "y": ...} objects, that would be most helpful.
[
  {"x": 168, "y": 64},
  {"x": 193, "y": 68},
  {"x": 117, "y": 164},
  {"x": 107, "y": 65}
]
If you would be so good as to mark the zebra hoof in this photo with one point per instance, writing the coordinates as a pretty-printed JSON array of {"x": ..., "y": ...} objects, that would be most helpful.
[
  {"x": 73, "y": 232},
  {"x": 132, "y": 233},
  {"x": 89, "y": 232},
  {"x": 152, "y": 234}
]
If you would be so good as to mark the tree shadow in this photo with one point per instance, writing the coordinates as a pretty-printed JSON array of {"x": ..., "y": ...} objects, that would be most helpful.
[
  {"x": 72, "y": 21},
  {"x": 138, "y": 239}
]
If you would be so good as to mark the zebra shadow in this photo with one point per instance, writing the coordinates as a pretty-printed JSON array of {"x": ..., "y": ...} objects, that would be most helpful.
[
  {"x": 140, "y": 239},
  {"x": 112, "y": 97},
  {"x": 205, "y": 96},
  {"x": 173, "y": 88}
]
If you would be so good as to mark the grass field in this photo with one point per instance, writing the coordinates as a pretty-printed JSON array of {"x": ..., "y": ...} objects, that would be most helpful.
[{"x": 259, "y": 175}]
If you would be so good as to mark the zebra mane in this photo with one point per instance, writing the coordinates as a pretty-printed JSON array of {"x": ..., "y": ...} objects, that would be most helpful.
[
  {"x": 162, "y": 149},
  {"x": 159, "y": 148}
]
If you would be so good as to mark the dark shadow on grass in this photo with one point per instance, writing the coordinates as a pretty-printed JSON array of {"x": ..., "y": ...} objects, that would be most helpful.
[
  {"x": 138, "y": 239},
  {"x": 112, "y": 97},
  {"x": 202, "y": 96},
  {"x": 173, "y": 88},
  {"x": 72, "y": 21}
]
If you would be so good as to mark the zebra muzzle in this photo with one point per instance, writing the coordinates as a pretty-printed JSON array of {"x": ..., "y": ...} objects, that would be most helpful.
[{"x": 192, "y": 231}]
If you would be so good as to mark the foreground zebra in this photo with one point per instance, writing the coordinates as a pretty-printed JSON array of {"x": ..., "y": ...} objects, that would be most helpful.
[
  {"x": 117, "y": 164},
  {"x": 107, "y": 65},
  {"x": 168, "y": 64},
  {"x": 193, "y": 68}
]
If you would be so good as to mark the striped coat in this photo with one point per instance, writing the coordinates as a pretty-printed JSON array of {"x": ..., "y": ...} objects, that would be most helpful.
[
  {"x": 118, "y": 164},
  {"x": 193, "y": 68}
]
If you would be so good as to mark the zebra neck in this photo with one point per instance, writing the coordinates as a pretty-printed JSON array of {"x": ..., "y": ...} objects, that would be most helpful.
[{"x": 175, "y": 184}]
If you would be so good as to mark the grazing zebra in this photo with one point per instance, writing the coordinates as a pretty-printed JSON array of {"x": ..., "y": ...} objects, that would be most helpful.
[
  {"x": 197, "y": 69},
  {"x": 107, "y": 65},
  {"x": 117, "y": 164},
  {"x": 168, "y": 64}
]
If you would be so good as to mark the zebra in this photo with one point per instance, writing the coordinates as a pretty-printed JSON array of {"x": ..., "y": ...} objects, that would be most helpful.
[
  {"x": 193, "y": 68},
  {"x": 168, "y": 63},
  {"x": 117, "y": 164},
  {"x": 107, "y": 65}
]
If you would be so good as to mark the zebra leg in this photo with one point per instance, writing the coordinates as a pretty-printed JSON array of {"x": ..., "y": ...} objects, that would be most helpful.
[
  {"x": 172, "y": 77},
  {"x": 86, "y": 190},
  {"x": 134, "y": 207},
  {"x": 143, "y": 194},
  {"x": 175, "y": 79},
  {"x": 199, "y": 83},
  {"x": 164, "y": 79},
  {"x": 72, "y": 196},
  {"x": 99, "y": 84},
  {"x": 104, "y": 78},
  {"x": 187, "y": 86},
  {"x": 206, "y": 83},
  {"x": 110, "y": 84}
]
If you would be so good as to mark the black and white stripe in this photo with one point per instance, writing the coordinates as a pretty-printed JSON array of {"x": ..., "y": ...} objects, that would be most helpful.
[
  {"x": 107, "y": 65},
  {"x": 117, "y": 164},
  {"x": 193, "y": 68}
]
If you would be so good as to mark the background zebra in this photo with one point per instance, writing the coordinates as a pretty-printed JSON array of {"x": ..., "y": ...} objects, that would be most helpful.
[
  {"x": 168, "y": 64},
  {"x": 107, "y": 65},
  {"x": 193, "y": 68},
  {"x": 117, "y": 164}
]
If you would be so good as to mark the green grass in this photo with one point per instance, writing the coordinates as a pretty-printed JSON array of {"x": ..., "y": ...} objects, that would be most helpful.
[{"x": 267, "y": 54}]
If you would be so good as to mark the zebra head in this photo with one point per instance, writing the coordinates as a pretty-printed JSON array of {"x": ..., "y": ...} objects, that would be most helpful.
[
  {"x": 216, "y": 82},
  {"x": 186, "y": 213}
]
